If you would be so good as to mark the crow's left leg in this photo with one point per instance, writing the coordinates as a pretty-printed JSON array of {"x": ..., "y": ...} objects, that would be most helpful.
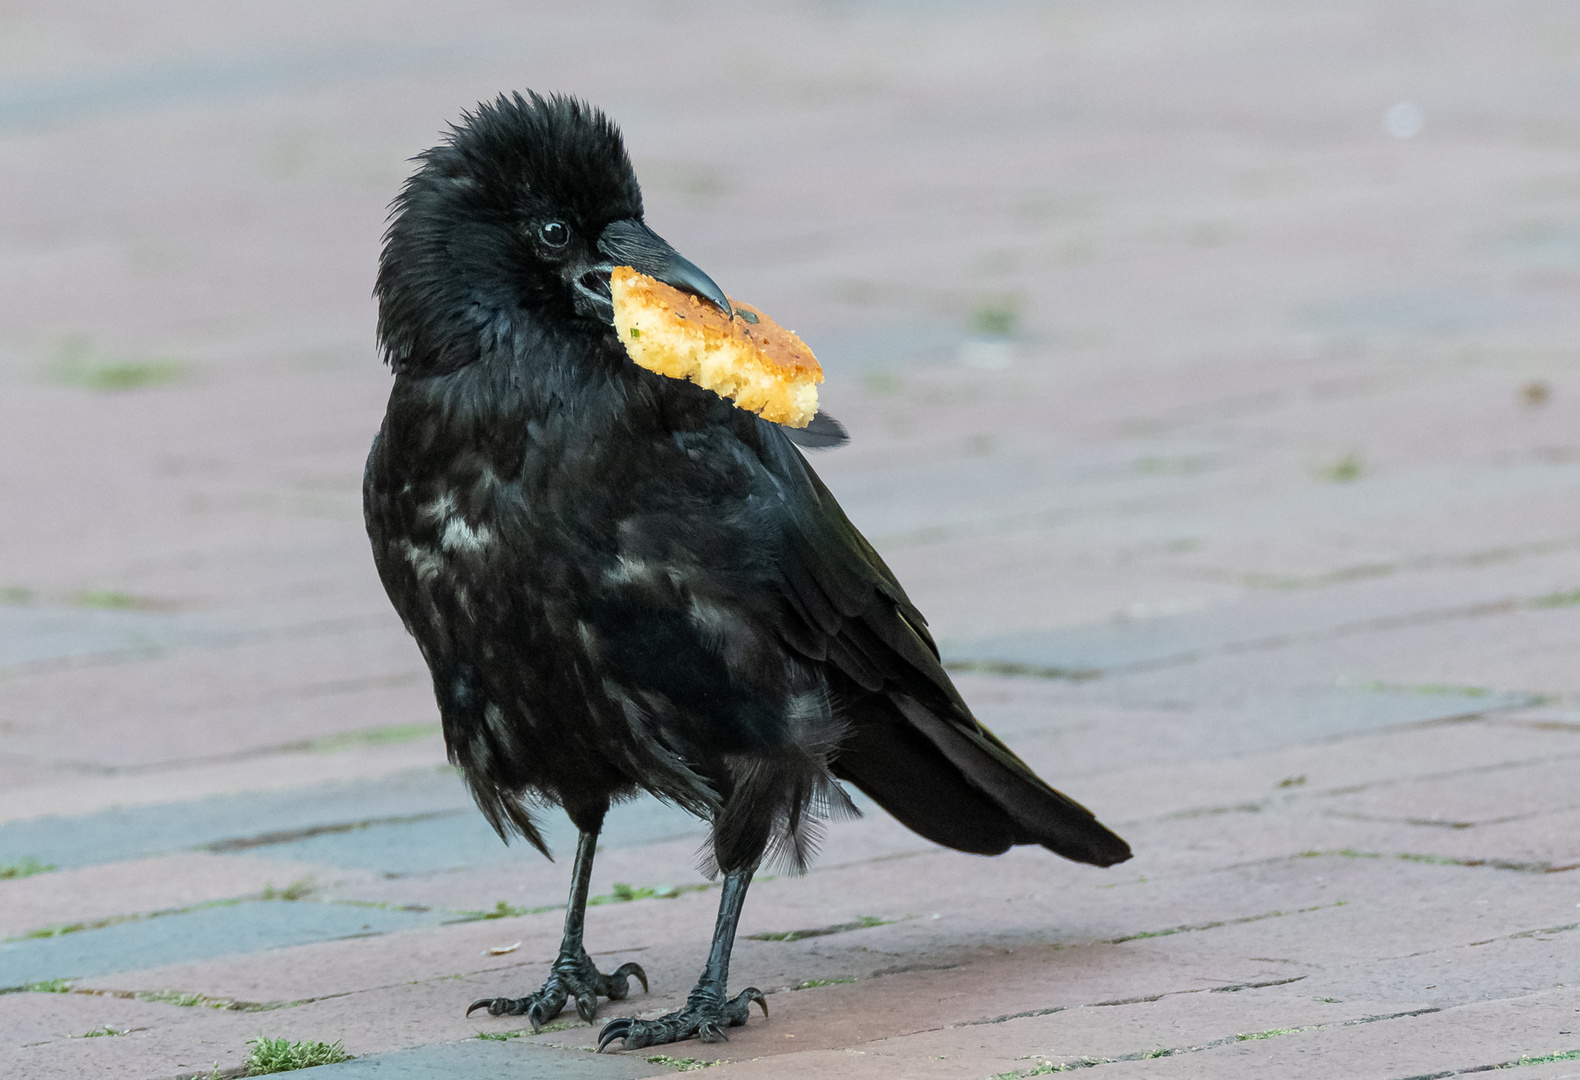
[
  {"x": 709, "y": 1008},
  {"x": 573, "y": 975}
]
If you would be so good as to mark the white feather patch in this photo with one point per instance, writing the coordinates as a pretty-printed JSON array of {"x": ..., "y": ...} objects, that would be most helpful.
[{"x": 462, "y": 537}]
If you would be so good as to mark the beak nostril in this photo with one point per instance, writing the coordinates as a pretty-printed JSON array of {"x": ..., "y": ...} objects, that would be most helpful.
[
  {"x": 595, "y": 281},
  {"x": 593, "y": 294}
]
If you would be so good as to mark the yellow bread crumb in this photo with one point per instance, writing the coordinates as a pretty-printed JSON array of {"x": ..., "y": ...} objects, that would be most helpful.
[{"x": 759, "y": 365}]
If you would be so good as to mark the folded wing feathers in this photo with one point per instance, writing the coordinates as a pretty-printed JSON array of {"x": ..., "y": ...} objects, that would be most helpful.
[{"x": 868, "y": 628}]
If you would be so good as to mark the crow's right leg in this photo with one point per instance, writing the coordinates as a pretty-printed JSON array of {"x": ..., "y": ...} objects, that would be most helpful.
[
  {"x": 709, "y": 1007},
  {"x": 573, "y": 976}
]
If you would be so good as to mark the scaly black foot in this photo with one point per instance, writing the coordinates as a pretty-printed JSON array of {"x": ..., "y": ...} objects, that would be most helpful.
[
  {"x": 702, "y": 1018},
  {"x": 572, "y": 977}
]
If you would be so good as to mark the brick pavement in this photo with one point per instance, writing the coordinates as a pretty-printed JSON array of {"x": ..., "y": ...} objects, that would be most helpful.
[{"x": 1256, "y": 533}]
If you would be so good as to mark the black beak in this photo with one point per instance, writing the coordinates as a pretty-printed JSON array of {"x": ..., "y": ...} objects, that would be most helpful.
[{"x": 630, "y": 243}]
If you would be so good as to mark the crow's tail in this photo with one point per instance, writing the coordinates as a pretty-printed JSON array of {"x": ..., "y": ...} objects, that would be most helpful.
[{"x": 950, "y": 779}]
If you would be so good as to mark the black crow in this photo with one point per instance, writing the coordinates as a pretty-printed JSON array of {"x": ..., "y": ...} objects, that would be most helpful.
[{"x": 622, "y": 583}]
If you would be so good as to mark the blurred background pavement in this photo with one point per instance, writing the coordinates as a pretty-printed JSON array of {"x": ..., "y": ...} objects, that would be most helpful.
[{"x": 1213, "y": 371}]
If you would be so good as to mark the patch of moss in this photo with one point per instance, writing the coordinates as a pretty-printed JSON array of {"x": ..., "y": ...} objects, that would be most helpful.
[
  {"x": 77, "y": 363},
  {"x": 77, "y": 366},
  {"x": 1346, "y": 469},
  {"x": 624, "y": 893},
  {"x": 883, "y": 382},
  {"x": 683, "y": 1064},
  {"x": 1045, "y": 1067},
  {"x": 107, "y": 600},
  {"x": 1426, "y": 689},
  {"x": 813, "y": 984},
  {"x": 996, "y": 317},
  {"x": 1271, "y": 1033},
  {"x": 503, "y": 910},
  {"x": 185, "y": 1000},
  {"x": 384, "y": 736},
  {"x": 26, "y": 866},
  {"x": 50, "y": 986},
  {"x": 822, "y": 931},
  {"x": 296, "y": 890},
  {"x": 285, "y": 1055},
  {"x": 1030, "y": 671},
  {"x": 131, "y": 374},
  {"x": 1564, "y": 1055}
]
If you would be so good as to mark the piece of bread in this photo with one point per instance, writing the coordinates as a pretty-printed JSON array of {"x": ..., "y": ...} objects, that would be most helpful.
[{"x": 749, "y": 359}]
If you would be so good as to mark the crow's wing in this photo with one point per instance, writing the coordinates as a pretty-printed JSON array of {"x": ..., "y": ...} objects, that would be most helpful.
[{"x": 913, "y": 743}]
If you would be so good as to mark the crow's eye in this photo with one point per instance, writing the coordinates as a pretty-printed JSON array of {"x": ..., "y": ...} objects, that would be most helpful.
[{"x": 554, "y": 233}]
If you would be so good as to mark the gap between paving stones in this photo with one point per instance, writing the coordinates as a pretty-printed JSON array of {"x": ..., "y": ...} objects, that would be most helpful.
[
  {"x": 1187, "y": 928},
  {"x": 1279, "y": 641},
  {"x": 1366, "y": 571},
  {"x": 1029, "y": 521},
  {"x": 1046, "y": 1066},
  {"x": 184, "y": 999},
  {"x": 202, "y": 639},
  {"x": 1446, "y": 774},
  {"x": 1350, "y": 853},
  {"x": 289, "y": 836},
  {"x": 1516, "y": 936},
  {"x": 1292, "y": 798},
  {"x": 1439, "y": 860},
  {"x": 268, "y": 895},
  {"x": 1543, "y": 1059},
  {"x": 1538, "y": 725},
  {"x": 1229, "y": 989},
  {"x": 388, "y": 735},
  {"x": 1435, "y": 823}
]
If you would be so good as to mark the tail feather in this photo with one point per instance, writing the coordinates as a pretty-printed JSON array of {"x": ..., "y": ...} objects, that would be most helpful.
[{"x": 961, "y": 787}]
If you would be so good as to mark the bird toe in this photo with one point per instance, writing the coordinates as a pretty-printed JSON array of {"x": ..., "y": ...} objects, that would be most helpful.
[{"x": 614, "y": 1029}]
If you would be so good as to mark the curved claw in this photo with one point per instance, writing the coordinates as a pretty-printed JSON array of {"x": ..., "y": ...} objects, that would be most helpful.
[
  {"x": 614, "y": 1029},
  {"x": 537, "y": 1015},
  {"x": 480, "y": 1003},
  {"x": 749, "y": 995},
  {"x": 587, "y": 1006},
  {"x": 709, "y": 1031},
  {"x": 620, "y": 976}
]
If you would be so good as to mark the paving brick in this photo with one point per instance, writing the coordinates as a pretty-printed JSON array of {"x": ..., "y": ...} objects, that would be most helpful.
[
  {"x": 142, "y": 885},
  {"x": 479, "y": 1060}
]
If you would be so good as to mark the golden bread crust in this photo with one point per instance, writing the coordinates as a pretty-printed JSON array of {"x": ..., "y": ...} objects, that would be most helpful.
[{"x": 760, "y": 366}]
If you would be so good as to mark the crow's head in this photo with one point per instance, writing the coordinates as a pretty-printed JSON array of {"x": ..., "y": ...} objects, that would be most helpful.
[{"x": 520, "y": 213}]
